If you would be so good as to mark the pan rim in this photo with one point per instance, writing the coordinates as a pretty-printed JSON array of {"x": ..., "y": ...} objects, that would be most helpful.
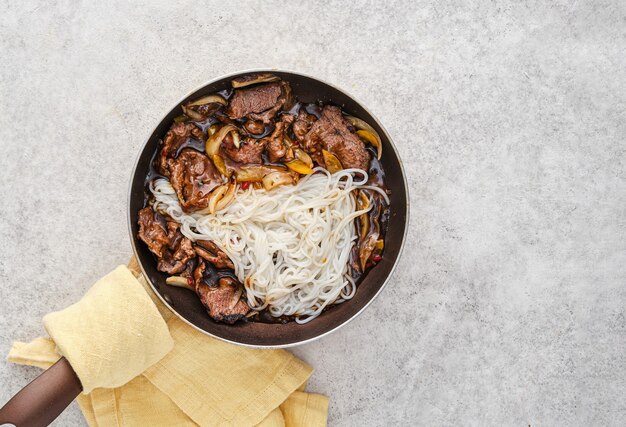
[{"x": 334, "y": 328}]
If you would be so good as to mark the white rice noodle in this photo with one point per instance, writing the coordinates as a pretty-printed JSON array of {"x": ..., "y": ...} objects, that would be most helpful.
[{"x": 290, "y": 246}]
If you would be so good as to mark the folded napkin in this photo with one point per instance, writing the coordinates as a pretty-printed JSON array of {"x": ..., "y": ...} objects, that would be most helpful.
[{"x": 197, "y": 381}]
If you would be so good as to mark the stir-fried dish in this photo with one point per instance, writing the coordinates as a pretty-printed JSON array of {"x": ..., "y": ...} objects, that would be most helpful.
[{"x": 267, "y": 208}]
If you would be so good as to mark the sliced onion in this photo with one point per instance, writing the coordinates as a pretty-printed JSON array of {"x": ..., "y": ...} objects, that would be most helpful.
[
  {"x": 209, "y": 99},
  {"x": 236, "y": 139},
  {"x": 363, "y": 202},
  {"x": 276, "y": 179},
  {"x": 254, "y": 173},
  {"x": 366, "y": 248},
  {"x": 216, "y": 196},
  {"x": 212, "y": 146},
  {"x": 228, "y": 197},
  {"x": 362, "y": 125},
  {"x": 371, "y": 138},
  {"x": 193, "y": 115},
  {"x": 179, "y": 281},
  {"x": 303, "y": 157},
  {"x": 220, "y": 165},
  {"x": 332, "y": 162},
  {"x": 254, "y": 79},
  {"x": 212, "y": 129},
  {"x": 300, "y": 167}
]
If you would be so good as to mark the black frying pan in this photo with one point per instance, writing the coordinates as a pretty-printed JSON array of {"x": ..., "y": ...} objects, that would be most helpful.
[
  {"x": 187, "y": 305},
  {"x": 45, "y": 398}
]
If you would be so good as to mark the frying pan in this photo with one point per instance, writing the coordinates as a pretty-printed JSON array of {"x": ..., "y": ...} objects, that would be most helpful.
[{"x": 46, "y": 397}]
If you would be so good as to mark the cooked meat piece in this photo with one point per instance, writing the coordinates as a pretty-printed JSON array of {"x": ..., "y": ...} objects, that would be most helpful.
[
  {"x": 266, "y": 99},
  {"x": 284, "y": 101},
  {"x": 255, "y": 127},
  {"x": 253, "y": 100},
  {"x": 175, "y": 259},
  {"x": 218, "y": 258},
  {"x": 303, "y": 123},
  {"x": 331, "y": 133},
  {"x": 152, "y": 230},
  {"x": 165, "y": 241},
  {"x": 275, "y": 143},
  {"x": 276, "y": 149},
  {"x": 249, "y": 152},
  {"x": 210, "y": 252},
  {"x": 173, "y": 234},
  {"x": 178, "y": 134},
  {"x": 221, "y": 296},
  {"x": 190, "y": 267},
  {"x": 193, "y": 176}
]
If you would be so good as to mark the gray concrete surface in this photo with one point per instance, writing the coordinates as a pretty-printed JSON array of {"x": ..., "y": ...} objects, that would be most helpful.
[{"x": 508, "y": 305}]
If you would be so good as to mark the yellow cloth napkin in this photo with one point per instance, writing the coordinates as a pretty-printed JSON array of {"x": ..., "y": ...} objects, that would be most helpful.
[
  {"x": 112, "y": 334},
  {"x": 201, "y": 381}
]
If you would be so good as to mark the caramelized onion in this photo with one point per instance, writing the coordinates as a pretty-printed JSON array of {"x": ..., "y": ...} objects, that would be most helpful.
[
  {"x": 254, "y": 79},
  {"x": 371, "y": 138},
  {"x": 366, "y": 248},
  {"x": 254, "y": 173},
  {"x": 228, "y": 197},
  {"x": 300, "y": 167},
  {"x": 193, "y": 115},
  {"x": 332, "y": 162},
  {"x": 363, "y": 202},
  {"x": 303, "y": 157},
  {"x": 236, "y": 139},
  {"x": 216, "y": 196},
  {"x": 179, "y": 281},
  {"x": 220, "y": 165},
  {"x": 212, "y": 129},
  {"x": 277, "y": 178},
  {"x": 212, "y": 146}
]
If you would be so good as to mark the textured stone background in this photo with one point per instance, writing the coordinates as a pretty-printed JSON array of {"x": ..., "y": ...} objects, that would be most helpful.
[{"x": 508, "y": 305}]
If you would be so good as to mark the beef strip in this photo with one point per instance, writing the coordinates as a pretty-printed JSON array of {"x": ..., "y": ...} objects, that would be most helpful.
[
  {"x": 332, "y": 134},
  {"x": 178, "y": 134},
  {"x": 249, "y": 152},
  {"x": 222, "y": 296},
  {"x": 175, "y": 259},
  {"x": 210, "y": 252},
  {"x": 152, "y": 230},
  {"x": 193, "y": 176},
  {"x": 260, "y": 102},
  {"x": 254, "y": 127},
  {"x": 166, "y": 241},
  {"x": 303, "y": 123},
  {"x": 284, "y": 102},
  {"x": 275, "y": 143},
  {"x": 190, "y": 267}
]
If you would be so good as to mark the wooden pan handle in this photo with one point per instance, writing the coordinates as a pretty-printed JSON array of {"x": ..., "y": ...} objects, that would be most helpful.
[{"x": 41, "y": 401}]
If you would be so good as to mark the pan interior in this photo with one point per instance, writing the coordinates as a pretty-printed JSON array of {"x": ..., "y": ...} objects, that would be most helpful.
[{"x": 187, "y": 305}]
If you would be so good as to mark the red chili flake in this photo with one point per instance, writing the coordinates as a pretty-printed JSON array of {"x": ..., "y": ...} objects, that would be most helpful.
[
  {"x": 190, "y": 281},
  {"x": 376, "y": 258},
  {"x": 245, "y": 185}
]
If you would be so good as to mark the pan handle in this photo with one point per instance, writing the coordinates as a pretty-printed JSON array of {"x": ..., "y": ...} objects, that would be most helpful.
[{"x": 41, "y": 401}]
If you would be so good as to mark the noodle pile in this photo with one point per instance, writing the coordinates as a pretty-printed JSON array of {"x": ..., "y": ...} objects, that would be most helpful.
[{"x": 290, "y": 246}]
